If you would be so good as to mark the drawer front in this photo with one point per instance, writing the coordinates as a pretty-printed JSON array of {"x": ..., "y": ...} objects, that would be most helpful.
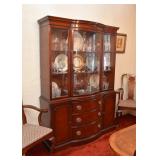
[
  {"x": 85, "y": 106},
  {"x": 86, "y": 117},
  {"x": 87, "y": 130}
]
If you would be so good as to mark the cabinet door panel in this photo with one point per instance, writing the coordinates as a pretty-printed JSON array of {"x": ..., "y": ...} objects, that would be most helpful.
[
  {"x": 109, "y": 109},
  {"x": 59, "y": 63},
  {"x": 108, "y": 63},
  {"x": 86, "y": 62},
  {"x": 60, "y": 122}
]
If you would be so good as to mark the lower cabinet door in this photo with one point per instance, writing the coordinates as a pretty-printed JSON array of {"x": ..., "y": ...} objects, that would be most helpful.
[
  {"x": 60, "y": 123},
  {"x": 108, "y": 109}
]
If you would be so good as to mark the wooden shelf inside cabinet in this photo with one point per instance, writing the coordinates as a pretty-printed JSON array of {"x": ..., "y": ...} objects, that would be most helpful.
[
  {"x": 80, "y": 92},
  {"x": 107, "y": 71},
  {"x": 75, "y": 52},
  {"x": 86, "y": 72},
  {"x": 59, "y": 73},
  {"x": 59, "y": 51}
]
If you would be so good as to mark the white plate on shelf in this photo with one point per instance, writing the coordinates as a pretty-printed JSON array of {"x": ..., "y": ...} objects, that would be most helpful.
[
  {"x": 61, "y": 63},
  {"x": 78, "y": 62},
  {"x": 78, "y": 41}
]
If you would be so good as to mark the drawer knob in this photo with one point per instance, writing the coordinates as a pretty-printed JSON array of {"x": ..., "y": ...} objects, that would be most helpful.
[
  {"x": 78, "y": 119},
  {"x": 99, "y": 126},
  {"x": 99, "y": 113},
  {"x": 79, "y": 107},
  {"x": 78, "y": 133},
  {"x": 99, "y": 102}
]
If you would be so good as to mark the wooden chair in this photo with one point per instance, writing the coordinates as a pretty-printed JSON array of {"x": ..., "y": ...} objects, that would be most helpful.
[
  {"x": 126, "y": 94},
  {"x": 34, "y": 133}
]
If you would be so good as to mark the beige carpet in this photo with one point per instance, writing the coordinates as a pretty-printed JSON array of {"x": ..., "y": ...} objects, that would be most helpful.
[{"x": 123, "y": 142}]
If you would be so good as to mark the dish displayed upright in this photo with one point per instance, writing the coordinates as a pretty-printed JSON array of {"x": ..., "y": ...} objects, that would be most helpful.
[{"x": 77, "y": 63}]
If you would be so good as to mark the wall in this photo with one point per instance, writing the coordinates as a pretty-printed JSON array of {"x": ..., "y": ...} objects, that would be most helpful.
[{"x": 123, "y": 16}]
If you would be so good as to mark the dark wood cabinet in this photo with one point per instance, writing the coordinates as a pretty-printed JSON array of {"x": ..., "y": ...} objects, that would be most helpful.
[{"x": 77, "y": 63}]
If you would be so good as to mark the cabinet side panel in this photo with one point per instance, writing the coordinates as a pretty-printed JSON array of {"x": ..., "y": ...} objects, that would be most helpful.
[
  {"x": 44, "y": 61},
  {"x": 113, "y": 59},
  {"x": 109, "y": 109},
  {"x": 45, "y": 116}
]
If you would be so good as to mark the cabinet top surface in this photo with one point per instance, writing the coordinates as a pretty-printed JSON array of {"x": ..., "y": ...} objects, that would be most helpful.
[{"x": 76, "y": 21}]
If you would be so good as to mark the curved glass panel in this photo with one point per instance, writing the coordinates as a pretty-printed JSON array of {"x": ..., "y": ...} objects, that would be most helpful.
[
  {"x": 108, "y": 70},
  {"x": 86, "y": 63}
]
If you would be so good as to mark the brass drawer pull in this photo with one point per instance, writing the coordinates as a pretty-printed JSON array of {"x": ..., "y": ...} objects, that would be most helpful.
[
  {"x": 79, "y": 107},
  {"x": 78, "y": 119},
  {"x": 99, "y": 126},
  {"x": 99, "y": 102},
  {"x": 99, "y": 113},
  {"x": 78, "y": 133}
]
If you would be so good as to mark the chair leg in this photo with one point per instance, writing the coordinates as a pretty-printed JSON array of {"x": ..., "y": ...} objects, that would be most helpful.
[
  {"x": 118, "y": 114},
  {"x": 50, "y": 144}
]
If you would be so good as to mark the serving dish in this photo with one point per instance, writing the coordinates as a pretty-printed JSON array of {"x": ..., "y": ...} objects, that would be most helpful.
[
  {"x": 61, "y": 63},
  {"x": 78, "y": 62}
]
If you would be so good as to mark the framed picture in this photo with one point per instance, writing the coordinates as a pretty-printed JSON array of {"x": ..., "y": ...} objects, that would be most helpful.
[{"x": 121, "y": 42}]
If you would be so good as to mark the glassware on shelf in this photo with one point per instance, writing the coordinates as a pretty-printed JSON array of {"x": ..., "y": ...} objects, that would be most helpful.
[
  {"x": 105, "y": 82},
  {"x": 91, "y": 62},
  {"x": 94, "y": 82},
  {"x": 107, "y": 62},
  {"x": 105, "y": 85},
  {"x": 56, "y": 43},
  {"x": 60, "y": 40},
  {"x": 107, "y": 43},
  {"x": 56, "y": 91},
  {"x": 64, "y": 45}
]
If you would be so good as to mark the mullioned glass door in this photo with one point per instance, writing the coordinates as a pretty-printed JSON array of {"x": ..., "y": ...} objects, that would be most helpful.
[
  {"x": 86, "y": 63},
  {"x": 59, "y": 63}
]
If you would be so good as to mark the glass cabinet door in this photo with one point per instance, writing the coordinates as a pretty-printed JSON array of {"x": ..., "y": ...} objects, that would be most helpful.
[
  {"x": 59, "y": 63},
  {"x": 108, "y": 51},
  {"x": 86, "y": 63}
]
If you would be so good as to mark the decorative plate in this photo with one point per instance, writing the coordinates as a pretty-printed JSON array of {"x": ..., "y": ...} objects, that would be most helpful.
[
  {"x": 94, "y": 81},
  {"x": 78, "y": 62},
  {"x": 91, "y": 61},
  {"x": 61, "y": 63},
  {"x": 78, "y": 41}
]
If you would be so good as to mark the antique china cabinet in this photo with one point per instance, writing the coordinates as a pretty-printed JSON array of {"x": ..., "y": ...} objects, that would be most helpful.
[{"x": 77, "y": 63}]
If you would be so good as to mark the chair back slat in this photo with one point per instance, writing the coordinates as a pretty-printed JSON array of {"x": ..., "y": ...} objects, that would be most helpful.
[{"x": 131, "y": 87}]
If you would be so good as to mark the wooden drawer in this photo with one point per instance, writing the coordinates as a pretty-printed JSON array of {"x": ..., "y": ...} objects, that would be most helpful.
[
  {"x": 86, "y": 117},
  {"x": 86, "y": 130},
  {"x": 86, "y": 105}
]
